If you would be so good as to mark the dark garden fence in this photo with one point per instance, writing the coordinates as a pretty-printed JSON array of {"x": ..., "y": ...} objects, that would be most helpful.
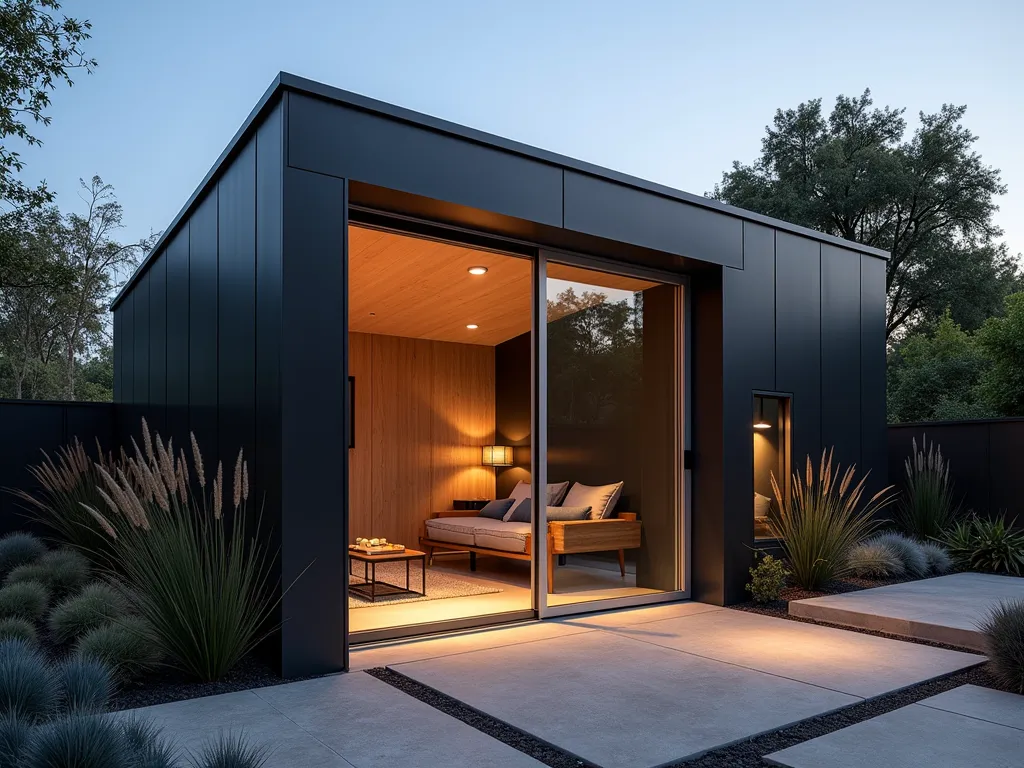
[
  {"x": 28, "y": 427},
  {"x": 986, "y": 461}
]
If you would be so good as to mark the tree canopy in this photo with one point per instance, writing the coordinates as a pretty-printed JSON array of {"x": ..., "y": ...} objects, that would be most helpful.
[{"x": 928, "y": 199}]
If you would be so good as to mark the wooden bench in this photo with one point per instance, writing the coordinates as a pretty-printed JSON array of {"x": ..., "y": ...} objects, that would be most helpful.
[{"x": 565, "y": 537}]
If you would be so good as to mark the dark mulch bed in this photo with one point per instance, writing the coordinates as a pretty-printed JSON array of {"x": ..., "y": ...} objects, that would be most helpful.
[
  {"x": 169, "y": 685},
  {"x": 739, "y": 755}
]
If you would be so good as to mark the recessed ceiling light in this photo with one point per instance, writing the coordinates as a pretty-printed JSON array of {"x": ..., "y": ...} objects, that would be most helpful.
[
  {"x": 478, "y": 270},
  {"x": 472, "y": 326}
]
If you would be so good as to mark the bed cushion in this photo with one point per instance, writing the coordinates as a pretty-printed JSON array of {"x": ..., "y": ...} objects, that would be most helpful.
[
  {"x": 454, "y": 530},
  {"x": 521, "y": 514},
  {"x": 507, "y": 537},
  {"x": 600, "y": 498}
]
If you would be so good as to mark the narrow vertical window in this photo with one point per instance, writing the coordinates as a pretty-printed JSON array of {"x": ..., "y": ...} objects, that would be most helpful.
[{"x": 770, "y": 425}]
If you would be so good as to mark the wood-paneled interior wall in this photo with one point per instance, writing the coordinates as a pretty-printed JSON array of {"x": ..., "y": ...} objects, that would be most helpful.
[{"x": 423, "y": 409}]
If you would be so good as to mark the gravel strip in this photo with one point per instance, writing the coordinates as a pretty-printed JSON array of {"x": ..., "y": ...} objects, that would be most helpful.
[
  {"x": 169, "y": 685},
  {"x": 492, "y": 726}
]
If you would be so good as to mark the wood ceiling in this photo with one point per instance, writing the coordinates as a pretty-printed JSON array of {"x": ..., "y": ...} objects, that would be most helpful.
[{"x": 406, "y": 286}]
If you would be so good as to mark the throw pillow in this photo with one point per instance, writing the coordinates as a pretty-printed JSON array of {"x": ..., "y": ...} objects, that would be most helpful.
[
  {"x": 761, "y": 505},
  {"x": 520, "y": 513},
  {"x": 497, "y": 509},
  {"x": 556, "y": 492},
  {"x": 600, "y": 498}
]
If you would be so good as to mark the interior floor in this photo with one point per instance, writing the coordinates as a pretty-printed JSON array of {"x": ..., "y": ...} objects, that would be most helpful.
[{"x": 578, "y": 581}]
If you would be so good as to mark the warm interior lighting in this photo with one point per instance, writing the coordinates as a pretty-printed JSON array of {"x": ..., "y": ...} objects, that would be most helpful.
[
  {"x": 477, "y": 270},
  {"x": 759, "y": 422},
  {"x": 472, "y": 326},
  {"x": 496, "y": 456}
]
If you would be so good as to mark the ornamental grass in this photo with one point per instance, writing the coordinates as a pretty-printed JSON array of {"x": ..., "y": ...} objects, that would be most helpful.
[
  {"x": 927, "y": 506},
  {"x": 193, "y": 571},
  {"x": 822, "y": 519}
]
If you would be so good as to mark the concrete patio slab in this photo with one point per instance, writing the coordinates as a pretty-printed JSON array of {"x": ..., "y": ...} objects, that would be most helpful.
[
  {"x": 381, "y": 655},
  {"x": 920, "y": 735},
  {"x": 617, "y": 701},
  {"x": 644, "y": 615},
  {"x": 338, "y": 721},
  {"x": 997, "y": 707},
  {"x": 849, "y": 662},
  {"x": 945, "y": 609}
]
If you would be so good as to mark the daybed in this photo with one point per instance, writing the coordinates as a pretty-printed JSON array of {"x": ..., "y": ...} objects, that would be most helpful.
[{"x": 603, "y": 530}]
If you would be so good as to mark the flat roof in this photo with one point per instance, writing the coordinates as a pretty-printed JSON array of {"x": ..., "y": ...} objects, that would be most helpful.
[{"x": 286, "y": 81}]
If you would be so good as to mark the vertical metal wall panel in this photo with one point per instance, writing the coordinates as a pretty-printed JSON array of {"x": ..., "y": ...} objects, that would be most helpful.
[
  {"x": 313, "y": 450},
  {"x": 202, "y": 327},
  {"x": 157, "y": 411},
  {"x": 140, "y": 363},
  {"x": 127, "y": 309},
  {"x": 269, "y": 191},
  {"x": 840, "y": 353},
  {"x": 236, "y": 307},
  {"x": 178, "y": 337},
  {"x": 798, "y": 338},
  {"x": 872, "y": 371},
  {"x": 118, "y": 368}
]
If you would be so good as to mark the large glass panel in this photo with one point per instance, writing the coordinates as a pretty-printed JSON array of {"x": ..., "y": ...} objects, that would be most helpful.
[
  {"x": 771, "y": 457},
  {"x": 439, "y": 388},
  {"x": 614, "y": 522}
]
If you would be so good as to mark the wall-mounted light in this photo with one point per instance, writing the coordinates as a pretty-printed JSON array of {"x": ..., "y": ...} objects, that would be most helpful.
[
  {"x": 472, "y": 326},
  {"x": 496, "y": 456},
  {"x": 759, "y": 421},
  {"x": 477, "y": 270}
]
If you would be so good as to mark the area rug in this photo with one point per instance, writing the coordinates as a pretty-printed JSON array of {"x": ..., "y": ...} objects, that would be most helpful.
[{"x": 440, "y": 585}]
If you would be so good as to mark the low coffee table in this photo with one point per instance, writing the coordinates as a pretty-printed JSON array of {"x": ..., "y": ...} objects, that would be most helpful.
[{"x": 372, "y": 588}]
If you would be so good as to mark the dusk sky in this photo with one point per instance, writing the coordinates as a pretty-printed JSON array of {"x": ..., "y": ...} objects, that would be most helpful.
[{"x": 669, "y": 91}]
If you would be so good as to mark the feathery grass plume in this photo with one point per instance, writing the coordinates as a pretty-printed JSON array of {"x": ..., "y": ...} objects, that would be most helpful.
[
  {"x": 97, "y": 604},
  {"x": 147, "y": 441},
  {"x": 231, "y": 751},
  {"x": 165, "y": 461},
  {"x": 907, "y": 550},
  {"x": 1003, "y": 628},
  {"x": 927, "y": 506},
  {"x": 25, "y": 600},
  {"x": 245, "y": 481},
  {"x": 197, "y": 457},
  {"x": 14, "y": 628},
  {"x": 64, "y": 482},
  {"x": 29, "y": 689},
  {"x": 100, "y": 519},
  {"x": 236, "y": 495},
  {"x": 197, "y": 577},
  {"x": 19, "y": 549},
  {"x": 875, "y": 560},
  {"x": 822, "y": 519}
]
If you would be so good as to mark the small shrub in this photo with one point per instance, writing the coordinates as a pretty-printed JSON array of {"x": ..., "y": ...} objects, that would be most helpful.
[
  {"x": 15, "y": 734},
  {"x": 915, "y": 563},
  {"x": 24, "y": 600},
  {"x": 127, "y": 646},
  {"x": 13, "y": 628},
  {"x": 146, "y": 744},
  {"x": 81, "y": 741},
  {"x": 1004, "y": 643},
  {"x": 876, "y": 560},
  {"x": 927, "y": 506},
  {"x": 62, "y": 571},
  {"x": 86, "y": 684},
  {"x": 19, "y": 549},
  {"x": 989, "y": 546},
  {"x": 767, "y": 580},
  {"x": 231, "y": 751},
  {"x": 29, "y": 689},
  {"x": 939, "y": 561},
  {"x": 97, "y": 604},
  {"x": 822, "y": 520}
]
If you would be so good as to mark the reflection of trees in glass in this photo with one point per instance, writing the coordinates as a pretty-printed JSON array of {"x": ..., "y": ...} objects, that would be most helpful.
[{"x": 595, "y": 357}]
